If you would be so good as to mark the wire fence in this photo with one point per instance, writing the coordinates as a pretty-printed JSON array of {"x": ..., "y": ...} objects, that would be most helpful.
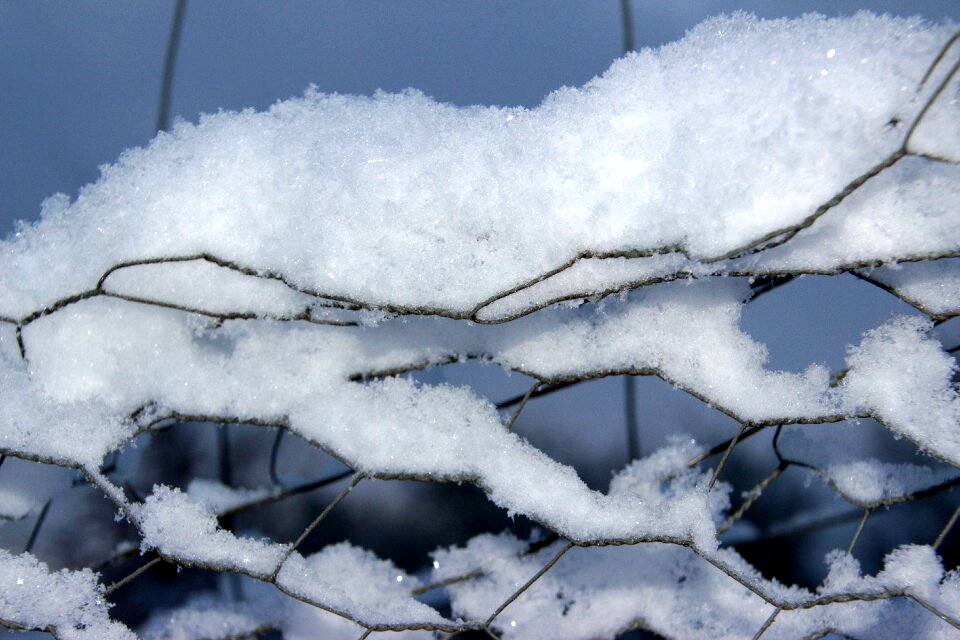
[{"x": 150, "y": 420}]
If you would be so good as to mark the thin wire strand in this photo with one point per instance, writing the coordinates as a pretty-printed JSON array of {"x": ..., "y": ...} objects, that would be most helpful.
[
  {"x": 766, "y": 625},
  {"x": 516, "y": 594},
  {"x": 726, "y": 455},
  {"x": 274, "y": 451},
  {"x": 27, "y": 548},
  {"x": 752, "y": 497},
  {"x": 523, "y": 403},
  {"x": 630, "y": 417},
  {"x": 856, "y": 535},
  {"x": 287, "y": 493},
  {"x": 946, "y": 529},
  {"x": 626, "y": 12},
  {"x": 132, "y": 576},
  {"x": 316, "y": 521},
  {"x": 169, "y": 66}
]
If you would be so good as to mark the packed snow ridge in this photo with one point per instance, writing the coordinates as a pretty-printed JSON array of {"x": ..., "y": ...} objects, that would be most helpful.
[
  {"x": 250, "y": 268},
  {"x": 705, "y": 146}
]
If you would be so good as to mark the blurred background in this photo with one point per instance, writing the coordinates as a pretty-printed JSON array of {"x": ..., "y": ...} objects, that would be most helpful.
[{"x": 81, "y": 82}]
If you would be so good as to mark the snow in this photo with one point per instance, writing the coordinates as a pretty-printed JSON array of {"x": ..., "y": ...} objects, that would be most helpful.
[
  {"x": 742, "y": 128},
  {"x": 186, "y": 531},
  {"x": 589, "y": 278},
  {"x": 72, "y": 602},
  {"x": 690, "y": 337},
  {"x": 397, "y": 428},
  {"x": 902, "y": 376},
  {"x": 204, "y": 617},
  {"x": 354, "y": 581},
  {"x": 202, "y": 285},
  {"x": 938, "y": 135},
  {"x": 905, "y": 213},
  {"x": 865, "y": 482},
  {"x": 343, "y": 579},
  {"x": 219, "y": 497},
  {"x": 160, "y": 291},
  {"x": 930, "y": 286},
  {"x": 601, "y": 592},
  {"x": 33, "y": 424}
]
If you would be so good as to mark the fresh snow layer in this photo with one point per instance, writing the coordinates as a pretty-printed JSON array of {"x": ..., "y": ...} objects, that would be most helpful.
[
  {"x": 335, "y": 209},
  {"x": 901, "y": 376},
  {"x": 866, "y": 482},
  {"x": 933, "y": 287},
  {"x": 354, "y": 581},
  {"x": 301, "y": 377},
  {"x": 588, "y": 278},
  {"x": 601, "y": 592},
  {"x": 187, "y": 531},
  {"x": 71, "y": 602},
  {"x": 204, "y": 618},
  {"x": 340, "y": 578},
  {"x": 908, "y": 212},
  {"x": 742, "y": 128},
  {"x": 34, "y": 426},
  {"x": 204, "y": 286}
]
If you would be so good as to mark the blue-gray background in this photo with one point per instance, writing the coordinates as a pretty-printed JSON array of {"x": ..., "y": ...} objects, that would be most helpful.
[{"x": 79, "y": 82}]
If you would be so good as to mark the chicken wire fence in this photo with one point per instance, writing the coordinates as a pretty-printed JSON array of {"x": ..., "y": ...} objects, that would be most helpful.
[{"x": 184, "y": 331}]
